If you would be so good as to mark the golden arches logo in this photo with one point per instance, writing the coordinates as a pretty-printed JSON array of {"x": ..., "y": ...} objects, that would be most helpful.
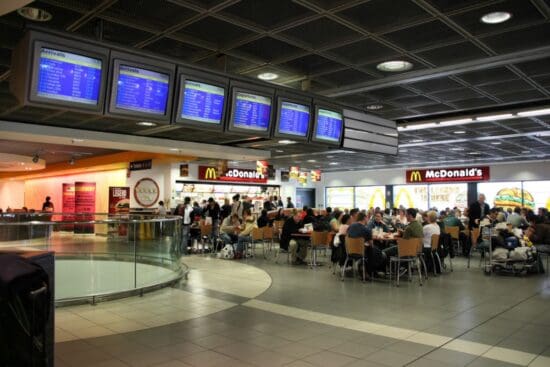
[
  {"x": 407, "y": 194},
  {"x": 379, "y": 193},
  {"x": 210, "y": 173},
  {"x": 415, "y": 176}
]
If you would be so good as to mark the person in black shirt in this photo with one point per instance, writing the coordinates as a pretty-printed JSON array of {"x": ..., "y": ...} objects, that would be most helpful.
[
  {"x": 213, "y": 211},
  {"x": 263, "y": 220},
  {"x": 289, "y": 242},
  {"x": 310, "y": 216},
  {"x": 268, "y": 205},
  {"x": 47, "y": 206},
  {"x": 289, "y": 204},
  {"x": 225, "y": 209},
  {"x": 280, "y": 214},
  {"x": 477, "y": 211}
]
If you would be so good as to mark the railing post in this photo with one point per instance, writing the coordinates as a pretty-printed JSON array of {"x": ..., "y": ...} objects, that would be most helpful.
[{"x": 135, "y": 256}]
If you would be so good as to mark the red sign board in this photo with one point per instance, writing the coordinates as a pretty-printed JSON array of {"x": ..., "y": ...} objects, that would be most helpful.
[
  {"x": 119, "y": 200},
  {"x": 455, "y": 174},
  {"x": 67, "y": 206},
  {"x": 84, "y": 200},
  {"x": 210, "y": 173}
]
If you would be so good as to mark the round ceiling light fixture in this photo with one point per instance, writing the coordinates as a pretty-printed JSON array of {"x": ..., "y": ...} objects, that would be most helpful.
[
  {"x": 394, "y": 66},
  {"x": 34, "y": 14},
  {"x": 460, "y": 132},
  {"x": 374, "y": 107},
  {"x": 496, "y": 17},
  {"x": 146, "y": 123},
  {"x": 268, "y": 76},
  {"x": 285, "y": 141},
  {"x": 17, "y": 163}
]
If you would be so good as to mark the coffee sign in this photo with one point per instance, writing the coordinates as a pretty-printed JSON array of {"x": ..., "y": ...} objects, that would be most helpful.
[
  {"x": 455, "y": 174},
  {"x": 210, "y": 173}
]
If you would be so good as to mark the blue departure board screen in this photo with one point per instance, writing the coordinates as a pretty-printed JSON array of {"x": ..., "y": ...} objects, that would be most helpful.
[
  {"x": 69, "y": 77},
  {"x": 252, "y": 112},
  {"x": 329, "y": 125},
  {"x": 293, "y": 119},
  {"x": 142, "y": 90},
  {"x": 202, "y": 102}
]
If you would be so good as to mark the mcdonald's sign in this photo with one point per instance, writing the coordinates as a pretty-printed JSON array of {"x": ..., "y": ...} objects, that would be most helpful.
[
  {"x": 209, "y": 173},
  {"x": 455, "y": 174}
]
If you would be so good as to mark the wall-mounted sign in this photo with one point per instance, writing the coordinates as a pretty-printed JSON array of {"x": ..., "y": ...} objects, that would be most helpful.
[
  {"x": 315, "y": 175},
  {"x": 294, "y": 172},
  {"x": 119, "y": 199},
  {"x": 271, "y": 172},
  {"x": 84, "y": 201},
  {"x": 184, "y": 170},
  {"x": 285, "y": 176},
  {"x": 210, "y": 173},
  {"x": 146, "y": 192},
  {"x": 302, "y": 178},
  {"x": 67, "y": 206},
  {"x": 261, "y": 167},
  {"x": 455, "y": 174},
  {"x": 141, "y": 165}
]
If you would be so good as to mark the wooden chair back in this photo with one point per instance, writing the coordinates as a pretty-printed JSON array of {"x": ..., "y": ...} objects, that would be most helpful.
[
  {"x": 355, "y": 246},
  {"x": 206, "y": 229},
  {"x": 453, "y": 231},
  {"x": 435, "y": 242},
  {"x": 257, "y": 234},
  {"x": 408, "y": 247},
  {"x": 319, "y": 238},
  {"x": 268, "y": 232},
  {"x": 474, "y": 233}
]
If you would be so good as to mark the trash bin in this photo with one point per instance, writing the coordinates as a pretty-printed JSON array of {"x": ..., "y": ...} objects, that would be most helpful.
[{"x": 26, "y": 310}]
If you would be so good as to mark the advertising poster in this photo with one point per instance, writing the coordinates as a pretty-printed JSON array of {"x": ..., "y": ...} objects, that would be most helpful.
[
  {"x": 67, "y": 206},
  {"x": 285, "y": 176},
  {"x": 367, "y": 197},
  {"x": 339, "y": 197},
  {"x": 119, "y": 203},
  {"x": 315, "y": 175},
  {"x": 536, "y": 194},
  {"x": 294, "y": 172},
  {"x": 84, "y": 203},
  {"x": 449, "y": 196},
  {"x": 411, "y": 196},
  {"x": 184, "y": 170},
  {"x": 302, "y": 178},
  {"x": 502, "y": 194},
  {"x": 222, "y": 167},
  {"x": 261, "y": 167}
]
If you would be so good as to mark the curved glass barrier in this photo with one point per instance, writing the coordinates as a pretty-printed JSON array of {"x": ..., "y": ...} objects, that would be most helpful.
[{"x": 100, "y": 256}]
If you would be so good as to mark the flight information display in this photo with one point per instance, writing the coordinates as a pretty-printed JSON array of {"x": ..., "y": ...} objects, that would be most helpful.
[
  {"x": 329, "y": 125},
  {"x": 252, "y": 112},
  {"x": 142, "y": 90},
  {"x": 69, "y": 77},
  {"x": 202, "y": 102},
  {"x": 294, "y": 119}
]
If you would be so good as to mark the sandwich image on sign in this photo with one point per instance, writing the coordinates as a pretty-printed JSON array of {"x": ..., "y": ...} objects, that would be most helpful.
[{"x": 512, "y": 198}]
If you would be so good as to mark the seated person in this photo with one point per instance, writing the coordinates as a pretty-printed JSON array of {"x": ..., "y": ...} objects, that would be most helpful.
[
  {"x": 400, "y": 220},
  {"x": 296, "y": 245},
  {"x": 230, "y": 228},
  {"x": 452, "y": 220},
  {"x": 517, "y": 220},
  {"x": 280, "y": 214},
  {"x": 413, "y": 228},
  {"x": 378, "y": 223},
  {"x": 336, "y": 221},
  {"x": 359, "y": 229},
  {"x": 263, "y": 220},
  {"x": 245, "y": 235},
  {"x": 309, "y": 217},
  {"x": 430, "y": 229}
]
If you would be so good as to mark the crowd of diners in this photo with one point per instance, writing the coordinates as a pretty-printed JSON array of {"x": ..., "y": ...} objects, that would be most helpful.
[{"x": 234, "y": 222}]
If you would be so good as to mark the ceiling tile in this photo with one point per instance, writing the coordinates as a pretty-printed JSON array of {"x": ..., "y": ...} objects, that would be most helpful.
[
  {"x": 312, "y": 64},
  {"x": 488, "y": 76},
  {"x": 268, "y": 48},
  {"x": 363, "y": 52},
  {"x": 344, "y": 77},
  {"x": 457, "y": 94},
  {"x": 214, "y": 31},
  {"x": 175, "y": 49},
  {"x": 267, "y": 14},
  {"x": 423, "y": 35},
  {"x": 321, "y": 32},
  {"x": 460, "y": 52},
  {"x": 436, "y": 84},
  {"x": 523, "y": 39}
]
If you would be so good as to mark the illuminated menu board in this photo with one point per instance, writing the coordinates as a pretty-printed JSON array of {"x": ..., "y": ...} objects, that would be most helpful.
[
  {"x": 202, "y": 102},
  {"x": 339, "y": 197},
  {"x": 411, "y": 196},
  {"x": 294, "y": 119},
  {"x": 252, "y": 112},
  {"x": 142, "y": 90},
  {"x": 367, "y": 197},
  {"x": 69, "y": 77},
  {"x": 329, "y": 125}
]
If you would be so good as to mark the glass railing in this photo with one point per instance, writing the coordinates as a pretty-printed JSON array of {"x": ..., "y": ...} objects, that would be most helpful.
[{"x": 100, "y": 256}]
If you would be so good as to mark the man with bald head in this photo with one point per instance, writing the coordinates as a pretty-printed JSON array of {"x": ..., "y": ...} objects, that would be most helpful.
[{"x": 477, "y": 211}]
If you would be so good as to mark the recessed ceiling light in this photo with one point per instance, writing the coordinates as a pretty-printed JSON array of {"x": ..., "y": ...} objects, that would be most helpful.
[
  {"x": 460, "y": 132},
  {"x": 417, "y": 141},
  {"x": 403, "y": 150},
  {"x": 496, "y": 17},
  {"x": 76, "y": 140},
  {"x": 311, "y": 160},
  {"x": 279, "y": 151},
  {"x": 474, "y": 153},
  {"x": 287, "y": 142},
  {"x": 496, "y": 143},
  {"x": 394, "y": 65},
  {"x": 333, "y": 163},
  {"x": 146, "y": 123},
  {"x": 268, "y": 76},
  {"x": 34, "y": 14},
  {"x": 374, "y": 107},
  {"x": 525, "y": 151},
  {"x": 174, "y": 149},
  {"x": 456, "y": 149}
]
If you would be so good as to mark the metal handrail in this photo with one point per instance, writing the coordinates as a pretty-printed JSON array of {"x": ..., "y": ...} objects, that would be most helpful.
[{"x": 167, "y": 218}]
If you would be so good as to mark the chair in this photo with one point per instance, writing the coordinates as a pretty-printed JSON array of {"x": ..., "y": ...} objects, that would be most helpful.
[
  {"x": 278, "y": 231},
  {"x": 435, "y": 246},
  {"x": 543, "y": 251},
  {"x": 268, "y": 236},
  {"x": 319, "y": 240},
  {"x": 407, "y": 252},
  {"x": 474, "y": 236},
  {"x": 257, "y": 235},
  {"x": 454, "y": 231},
  {"x": 355, "y": 250}
]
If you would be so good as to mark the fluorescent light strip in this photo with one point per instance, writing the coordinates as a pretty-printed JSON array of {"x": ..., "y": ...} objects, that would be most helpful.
[
  {"x": 544, "y": 111},
  {"x": 504, "y": 116},
  {"x": 482, "y": 138}
]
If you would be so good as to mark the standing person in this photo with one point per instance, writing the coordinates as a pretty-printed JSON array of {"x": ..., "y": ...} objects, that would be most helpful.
[
  {"x": 213, "y": 211},
  {"x": 225, "y": 209},
  {"x": 268, "y": 204},
  {"x": 289, "y": 203},
  {"x": 185, "y": 211},
  {"x": 279, "y": 201},
  {"x": 237, "y": 206},
  {"x": 47, "y": 206},
  {"x": 477, "y": 211},
  {"x": 161, "y": 210}
]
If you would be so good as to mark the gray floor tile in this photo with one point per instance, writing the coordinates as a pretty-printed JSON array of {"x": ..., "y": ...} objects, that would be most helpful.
[
  {"x": 424, "y": 362},
  {"x": 329, "y": 359},
  {"x": 207, "y": 358},
  {"x": 297, "y": 350},
  {"x": 486, "y": 362},
  {"x": 353, "y": 349},
  {"x": 413, "y": 349},
  {"x": 390, "y": 358},
  {"x": 450, "y": 357}
]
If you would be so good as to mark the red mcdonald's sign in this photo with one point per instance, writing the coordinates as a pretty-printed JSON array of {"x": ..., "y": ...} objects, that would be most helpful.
[{"x": 454, "y": 174}]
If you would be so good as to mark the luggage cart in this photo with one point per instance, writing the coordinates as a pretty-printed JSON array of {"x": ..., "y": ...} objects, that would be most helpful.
[{"x": 503, "y": 266}]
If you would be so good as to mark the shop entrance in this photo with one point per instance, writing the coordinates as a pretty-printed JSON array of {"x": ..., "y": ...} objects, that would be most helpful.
[{"x": 305, "y": 197}]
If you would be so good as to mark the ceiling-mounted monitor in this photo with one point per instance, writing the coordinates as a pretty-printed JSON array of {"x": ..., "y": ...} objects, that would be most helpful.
[
  {"x": 293, "y": 119},
  {"x": 141, "y": 88},
  {"x": 201, "y": 100},
  {"x": 251, "y": 111},
  {"x": 58, "y": 73},
  {"x": 329, "y": 125}
]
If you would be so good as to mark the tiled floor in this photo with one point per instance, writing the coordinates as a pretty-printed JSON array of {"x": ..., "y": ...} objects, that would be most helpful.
[{"x": 257, "y": 313}]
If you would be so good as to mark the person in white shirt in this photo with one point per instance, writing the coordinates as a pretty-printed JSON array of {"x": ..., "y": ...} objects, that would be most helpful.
[
  {"x": 184, "y": 210},
  {"x": 429, "y": 229},
  {"x": 161, "y": 210}
]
